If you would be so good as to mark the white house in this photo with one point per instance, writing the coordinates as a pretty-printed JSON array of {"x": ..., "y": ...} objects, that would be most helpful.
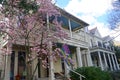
[
  {"x": 87, "y": 49},
  {"x": 102, "y": 51}
]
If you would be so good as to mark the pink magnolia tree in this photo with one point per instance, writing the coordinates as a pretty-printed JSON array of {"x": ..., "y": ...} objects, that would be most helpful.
[{"x": 29, "y": 23}]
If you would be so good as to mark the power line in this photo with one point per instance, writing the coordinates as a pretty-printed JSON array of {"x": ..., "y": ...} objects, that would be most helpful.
[{"x": 115, "y": 37}]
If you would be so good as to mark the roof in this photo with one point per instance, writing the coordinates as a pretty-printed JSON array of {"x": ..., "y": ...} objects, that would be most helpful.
[
  {"x": 107, "y": 38},
  {"x": 92, "y": 31}
]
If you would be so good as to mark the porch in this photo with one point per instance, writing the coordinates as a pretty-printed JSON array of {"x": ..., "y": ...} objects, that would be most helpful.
[{"x": 15, "y": 64}]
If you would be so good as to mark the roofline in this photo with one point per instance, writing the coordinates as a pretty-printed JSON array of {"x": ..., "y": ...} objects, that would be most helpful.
[{"x": 68, "y": 15}]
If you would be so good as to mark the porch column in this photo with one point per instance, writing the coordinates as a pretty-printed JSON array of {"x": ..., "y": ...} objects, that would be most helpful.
[
  {"x": 1, "y": 62},
  {"x": 113, "y": 62},
  {"x": 111, "y": 67},
  {"x": 118, "y": 68},
  {"x": 67, "y": 69},
  {"x": 7, "y": 67},
  {"x": 85, "y": 36},
  {"x": 79, "y": 57},
  {"x": 51, "y": 69},
  {"x": 106, "y": 65},
  {"x": 89, "y": 59},
  {"x": 7, "y": 62},
  {"x": 101, "y": 64},
  {"x": 69, "y": 22}
]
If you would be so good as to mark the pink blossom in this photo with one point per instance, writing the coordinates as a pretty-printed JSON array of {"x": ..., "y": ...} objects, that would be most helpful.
[{"x": 32, "y": 31}]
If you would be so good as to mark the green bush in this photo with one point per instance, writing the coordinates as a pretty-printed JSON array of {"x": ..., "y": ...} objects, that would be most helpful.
[
  {"x": 91, "y": 73},
  {"x": 115, "y": 75}
]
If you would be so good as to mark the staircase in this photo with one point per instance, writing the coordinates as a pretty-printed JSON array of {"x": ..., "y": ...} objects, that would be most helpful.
[{"x": 64, "y": 78}]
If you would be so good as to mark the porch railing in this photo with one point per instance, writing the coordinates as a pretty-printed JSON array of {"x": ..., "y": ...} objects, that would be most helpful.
[{"x": 80, "y": 75}]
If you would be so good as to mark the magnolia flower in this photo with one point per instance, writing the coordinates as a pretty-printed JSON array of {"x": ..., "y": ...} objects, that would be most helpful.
[
  {"x": 0, "y": 6},
  {"x": 30, "y": 11}
]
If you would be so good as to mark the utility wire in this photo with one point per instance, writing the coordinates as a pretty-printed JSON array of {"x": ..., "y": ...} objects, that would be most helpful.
[
  {"x": 114, "y": 37},
  {"x": 116, "y": 31}
]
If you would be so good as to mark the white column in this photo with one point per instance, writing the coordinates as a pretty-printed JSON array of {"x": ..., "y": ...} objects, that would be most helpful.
[
  {"x": 113, "y": 62},
  {"x": 8, "y": 62},
  {"x": 101, "y": 64},
  {"x": 111, "y": 67},
  {"x": 84, "y": 58},
  {"x": 67, "y": 68},
  {"x": 116, "y": 62},
  {"x": 51, "y": 69},
  {"x": 85, "y": 36},
  {"x": 89, "y": 59},
  {"x": 51, "y": 75},
  {"x": 70, "y": 28},
  {"x": 79, "y": 57},
  {"x": 106, "y": 65},
  {"x": 7, "y": 68}
]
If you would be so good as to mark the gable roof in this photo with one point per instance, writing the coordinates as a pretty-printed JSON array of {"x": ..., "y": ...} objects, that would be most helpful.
[
  {"x": 92, "y": 31},
  {"x": 95, "y": 32},
  {"x": 107, "y": 38}
]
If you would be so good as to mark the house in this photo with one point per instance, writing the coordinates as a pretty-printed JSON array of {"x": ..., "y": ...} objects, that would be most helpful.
[
  {"x": 14, "y": 64},
  {"x": 86, "y": 48},
  {"x": 102, "y": 51}
]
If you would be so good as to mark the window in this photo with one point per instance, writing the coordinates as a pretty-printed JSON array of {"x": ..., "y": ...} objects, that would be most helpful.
[
  {"x": 12, "y": 65},
  {"x": 99, "y": 44},
  {"x": 21, "y": 64}
]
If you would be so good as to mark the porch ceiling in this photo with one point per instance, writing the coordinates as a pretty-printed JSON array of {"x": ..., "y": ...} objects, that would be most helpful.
[
  {"x": 65, "y": 23},
  {"x": 76, "y": 23}
]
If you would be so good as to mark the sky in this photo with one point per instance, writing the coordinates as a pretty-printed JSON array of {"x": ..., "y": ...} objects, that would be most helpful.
[{"x": 94, "y": 12}]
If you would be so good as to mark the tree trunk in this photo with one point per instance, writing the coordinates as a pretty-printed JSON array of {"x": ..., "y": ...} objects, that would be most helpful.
[
  {"x": 29, "y": 71},
  {"x": 39, "y": 70}
]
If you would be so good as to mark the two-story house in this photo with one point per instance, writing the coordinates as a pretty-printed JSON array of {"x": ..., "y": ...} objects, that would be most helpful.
[
  {"x": 14, "y": 64},
  {"x": 86, "y": 49},
  {"x": 102, "y": 51}
]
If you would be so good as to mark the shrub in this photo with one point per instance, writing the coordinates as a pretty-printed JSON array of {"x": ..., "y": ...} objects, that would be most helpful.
[
  {"x": 115, "y": 75},
  {"x": 91, "y": 73}
]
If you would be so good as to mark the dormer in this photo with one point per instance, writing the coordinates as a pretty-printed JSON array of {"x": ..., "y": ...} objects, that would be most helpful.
[{"x": 95, "y": 32}]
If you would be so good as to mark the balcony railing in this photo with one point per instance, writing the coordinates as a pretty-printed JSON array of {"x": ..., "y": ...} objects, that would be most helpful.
[
  {"x": 110, "y": 48},
  {"x": 76, "y": 37},
  {"x": 79, "y": 38}
]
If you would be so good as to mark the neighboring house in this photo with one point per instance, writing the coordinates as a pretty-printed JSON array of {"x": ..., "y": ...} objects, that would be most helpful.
[
  {"x": 86, "y": 48},
  {"x": 102, "y": 51},
  {"x": 117, "y": 50}
]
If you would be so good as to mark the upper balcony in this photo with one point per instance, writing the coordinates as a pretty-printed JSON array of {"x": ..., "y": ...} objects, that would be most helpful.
[
  {"x": 102, "y": 46},
  {"x": 77, "y": 38},
  {"x": 74, "y": 27},
  {"x": 70, "y": 25}
]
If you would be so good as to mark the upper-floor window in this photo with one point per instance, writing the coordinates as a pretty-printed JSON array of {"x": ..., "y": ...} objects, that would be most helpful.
[
  {"x": 91, "y": 42},
  {"x": 104, "y": 45},
  {"x": 99, "y": 44}
]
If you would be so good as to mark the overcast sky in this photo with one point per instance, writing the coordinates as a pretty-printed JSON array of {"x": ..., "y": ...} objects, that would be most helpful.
[{"x": 94, "y": 12}]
